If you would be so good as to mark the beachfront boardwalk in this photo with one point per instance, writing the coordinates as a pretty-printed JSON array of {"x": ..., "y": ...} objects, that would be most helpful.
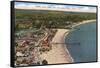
[{"x": 57, "y": 54}]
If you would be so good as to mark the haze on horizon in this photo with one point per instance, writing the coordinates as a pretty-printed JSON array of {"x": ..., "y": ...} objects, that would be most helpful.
[{"x": 40, "y": 6}]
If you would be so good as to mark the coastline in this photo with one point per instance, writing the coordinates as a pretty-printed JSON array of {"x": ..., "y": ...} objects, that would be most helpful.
[
  {"x": 84, "y": 22},
  {"x": 80, "y": 23},
  {"x": 59, "y": 53}
]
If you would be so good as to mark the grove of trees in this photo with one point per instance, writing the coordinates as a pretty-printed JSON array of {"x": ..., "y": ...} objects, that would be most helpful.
[{"x": 26, "y": 19}]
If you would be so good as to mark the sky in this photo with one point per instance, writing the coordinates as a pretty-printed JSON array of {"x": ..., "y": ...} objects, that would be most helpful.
[
  {"x": 87, "y": 2},
  {"x": 74, "y": 7}
]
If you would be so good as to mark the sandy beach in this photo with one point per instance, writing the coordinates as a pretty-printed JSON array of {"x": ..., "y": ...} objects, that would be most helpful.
[
  {"x": 58, "y": 53},
  {"x": 83, "y": 22}
]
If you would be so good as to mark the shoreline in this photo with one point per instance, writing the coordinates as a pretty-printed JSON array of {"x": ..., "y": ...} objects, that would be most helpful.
[
  {"x": 59, "y": 53},
  {"x": 84, "y": 22},
  {"x": 80, "y": 23}
]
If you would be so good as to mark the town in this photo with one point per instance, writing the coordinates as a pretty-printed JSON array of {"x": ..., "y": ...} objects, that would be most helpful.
[{"x": 30, "y": 45}]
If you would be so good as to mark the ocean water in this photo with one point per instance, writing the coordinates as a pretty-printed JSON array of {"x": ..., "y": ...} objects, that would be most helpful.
[{"x": 81, "y": 43}]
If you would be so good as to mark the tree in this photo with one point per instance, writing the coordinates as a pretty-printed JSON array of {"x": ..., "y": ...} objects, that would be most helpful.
[{"x": 44, "y": 62}]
